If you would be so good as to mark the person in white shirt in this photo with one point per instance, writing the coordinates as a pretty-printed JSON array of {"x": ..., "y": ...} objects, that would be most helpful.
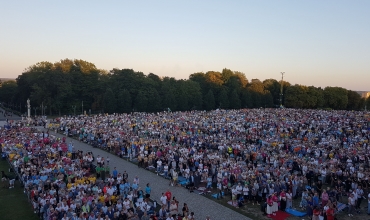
[
  {"x": 234, "y": 193},
  {"x": 246, "y": 192},
  {"x": 239, "y": 190},
  {"x": 360, "y": 195},
  {"x": 289, "y": 200},
  {"x": 159, "y": 166},
  {"x": 351, "y": 204},
  {"x": 126, "y": 203},
  {"x": 163, "y": 199},
  {"x": 323, "y": 175},
  {"x": 165, "y": 170},
  {"x": 98, "y": 160}
]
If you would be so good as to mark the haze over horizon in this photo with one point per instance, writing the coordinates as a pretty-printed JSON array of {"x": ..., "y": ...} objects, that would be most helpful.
[{"x": 320, "y": 43}]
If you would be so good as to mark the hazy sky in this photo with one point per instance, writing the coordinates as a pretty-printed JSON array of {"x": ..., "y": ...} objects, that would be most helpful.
[{"x": 320, "y": 43}]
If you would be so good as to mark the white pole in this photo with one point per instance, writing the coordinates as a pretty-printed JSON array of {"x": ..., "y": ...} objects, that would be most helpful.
[{"x": 28, "y": 108}]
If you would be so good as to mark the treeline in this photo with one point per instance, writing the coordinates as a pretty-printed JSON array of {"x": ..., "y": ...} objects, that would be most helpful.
[{"x": 73, "y": 86}]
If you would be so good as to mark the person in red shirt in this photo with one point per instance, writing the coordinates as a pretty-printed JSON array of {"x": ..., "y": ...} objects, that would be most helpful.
[
  {"x": 330, "y": 213},
  {"x": 316, "y": 213},
  {"x": 168, "y": 195}
]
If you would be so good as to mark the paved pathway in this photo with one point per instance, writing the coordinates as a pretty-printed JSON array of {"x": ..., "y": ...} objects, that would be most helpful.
[
  {"x": 14, "y": 117},
  {"x": 198, "y": 204}
]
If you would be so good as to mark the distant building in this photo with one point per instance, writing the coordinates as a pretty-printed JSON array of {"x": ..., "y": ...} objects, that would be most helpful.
[{"x": 363, "y": 94}]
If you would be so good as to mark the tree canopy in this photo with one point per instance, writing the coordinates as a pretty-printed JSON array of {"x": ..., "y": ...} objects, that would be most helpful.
[{"x": 68, "y": 83}]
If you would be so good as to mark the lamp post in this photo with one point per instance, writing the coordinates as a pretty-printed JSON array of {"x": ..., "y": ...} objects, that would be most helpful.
[
  {"x": 281, "y": 89},
  {"x": 28, "y": 109},
  {"x": 43, "y": 109},
  {"x": 35, "y": 110}
]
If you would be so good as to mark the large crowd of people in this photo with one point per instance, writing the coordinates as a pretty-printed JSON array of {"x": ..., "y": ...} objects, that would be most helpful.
[
  {"x": 270, "y": 156},
  {"x": 63, "y": 184},
  {"x": 255, "y": 156}
]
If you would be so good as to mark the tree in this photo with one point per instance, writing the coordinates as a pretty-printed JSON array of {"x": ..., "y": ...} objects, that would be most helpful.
[
  {"x": 257, "y": 90},
  {"x": 354, "y": 100},
  {"x": 209, "y": 101},
  {"x": 223, "y": 99},
  {"x": 109, "y": 101},
  {"x": 154, "y": 101},
  {"x": 336, "y": 97},
  {"x": 194, "y": 93},
  {"x": 141, "y": 102},
  {"x": 67, "y": 83},
  {"x": 246, "y": 98},
  {"x": 124, "y": 101},
  {"x": 8, "y": 91},
  {"x": 367, "y": 103},
  {"x": 274, "y": 87},
  {"x": 167, "y": 93},
  {"x": 293, "y": 97},
  {"x": 267, "y": 99},
  {"x": 226, "y": 74},
  {"x": 235, "y": 100},
  {"x": 242, "y": 78},
  {"x": 215, "y": 79}
]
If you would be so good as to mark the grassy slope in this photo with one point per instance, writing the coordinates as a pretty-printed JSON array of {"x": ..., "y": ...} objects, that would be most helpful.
[{"x": 14, "y": 204}]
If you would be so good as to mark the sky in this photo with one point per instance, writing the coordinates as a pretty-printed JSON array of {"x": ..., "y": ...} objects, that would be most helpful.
[{"x": 320, "y": 43}]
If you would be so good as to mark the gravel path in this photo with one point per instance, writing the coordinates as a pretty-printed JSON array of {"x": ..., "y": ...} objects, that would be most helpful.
[{"x": 198, "y": 204}]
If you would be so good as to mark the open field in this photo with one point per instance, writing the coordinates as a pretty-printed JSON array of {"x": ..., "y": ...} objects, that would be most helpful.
[{"x": 14, "y": 204}]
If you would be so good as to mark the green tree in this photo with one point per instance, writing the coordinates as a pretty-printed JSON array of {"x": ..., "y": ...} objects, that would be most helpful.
[
  {"x": 223, "y": 99},
  {"x": 242, "y": 78},
  {"x": 110, "y": 101},
  {"x": 367, "y": 103},
  {"x": 354, "y": 100},
  {"x": 246, "y": 98},
  {"x": 194, "y": 93},
  {"x": 154, "y": 101},
  {"x": 141, "y": 102},
  {"x": 124, "y": 101},
  {"x": 293, "y": 97},
  {"x": 336, "y": 97},
  {"x": 209, "y": 101},
  {"x": 167, "y": 93},
  {"x": 8, "y": 91},
  {"x": 226, "y": 74},
  {"x": 235, "y": 102},
  {"x": 273, "y": 86}
]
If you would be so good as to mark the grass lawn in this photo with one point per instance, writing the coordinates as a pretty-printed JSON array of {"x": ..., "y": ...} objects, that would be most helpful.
[{"x": 14, "y": 203}]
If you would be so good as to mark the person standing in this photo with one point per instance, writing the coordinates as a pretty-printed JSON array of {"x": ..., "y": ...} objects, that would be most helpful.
[
  {"x": 148, "y": 190},
  {"x": 168, "y": 195},
  {"x": 185, "y": 210},
  {"x": 115, "y": 173},
  {"x": 275, "y": 206},
  {"x": 330, "y": 213},
  {"x": 283, "y": 200},
  {"x": 270, "y": 204},
  {"x": 191, "y": 182},
  {"x": 239, "y": 190},
  {"x": 351, "y": 204},
  {"x": 289, "y": 200},
  {"x": 309, "y": 207},
  {"x": 360, "y": 195}
]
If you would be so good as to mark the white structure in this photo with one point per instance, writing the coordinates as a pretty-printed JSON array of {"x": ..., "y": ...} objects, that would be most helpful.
[{"x": 28, "y": 109}]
